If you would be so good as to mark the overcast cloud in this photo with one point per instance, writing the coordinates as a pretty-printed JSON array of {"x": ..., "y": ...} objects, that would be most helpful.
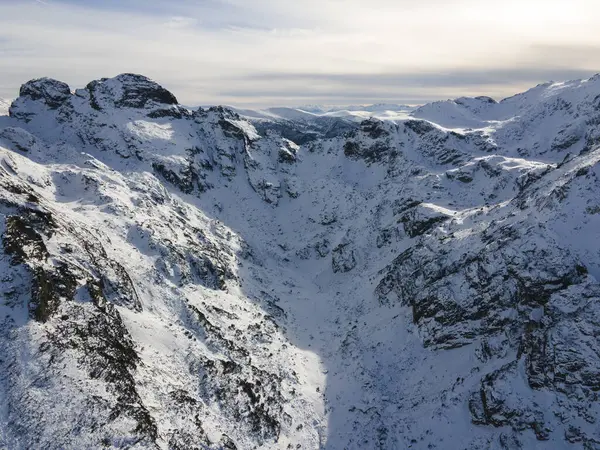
[{"x": 286, "y": 52}]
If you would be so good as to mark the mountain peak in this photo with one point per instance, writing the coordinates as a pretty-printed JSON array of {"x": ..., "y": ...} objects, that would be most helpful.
[
  {"x": 52, "y": 92},
  {"x": 127, "y": 90}
]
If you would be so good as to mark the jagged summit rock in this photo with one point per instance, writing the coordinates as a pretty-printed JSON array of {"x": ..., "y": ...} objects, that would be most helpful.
[
  {"x": 51, "y": 92},
  {"x": 123, "y": 91},
  {"x": 127, "y": 90}
]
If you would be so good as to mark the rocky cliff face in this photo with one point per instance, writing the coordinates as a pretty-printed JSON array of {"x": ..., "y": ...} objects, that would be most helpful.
[{"x": 178, "y": 278}]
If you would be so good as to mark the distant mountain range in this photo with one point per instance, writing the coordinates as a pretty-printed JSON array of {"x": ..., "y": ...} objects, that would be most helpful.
[{"x": 355, "y": 112}]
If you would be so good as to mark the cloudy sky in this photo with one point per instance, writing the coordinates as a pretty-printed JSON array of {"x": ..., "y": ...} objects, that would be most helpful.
[{"x": 293, "y": 52}]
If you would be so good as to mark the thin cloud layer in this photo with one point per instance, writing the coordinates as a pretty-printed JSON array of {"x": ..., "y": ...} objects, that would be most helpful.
[{"x": 260, "y": 52}]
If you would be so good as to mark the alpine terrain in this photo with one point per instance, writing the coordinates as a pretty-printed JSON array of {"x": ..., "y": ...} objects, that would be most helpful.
[{"x": 384, "y": 278}]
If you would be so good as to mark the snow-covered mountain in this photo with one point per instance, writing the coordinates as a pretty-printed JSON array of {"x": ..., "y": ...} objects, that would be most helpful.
[
  {"x": 353, "y": 112},
  {"x": 384, "y": 111},
  {"x": 180, "y": 279},
  {"x": 309, "y": 123}
]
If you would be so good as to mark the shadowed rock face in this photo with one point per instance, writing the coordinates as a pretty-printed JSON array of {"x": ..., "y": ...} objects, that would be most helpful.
[{"x": 178, "y": 279}]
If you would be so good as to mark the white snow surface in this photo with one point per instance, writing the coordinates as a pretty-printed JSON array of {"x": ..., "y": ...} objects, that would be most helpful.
[{"x": 4, "y": 105}]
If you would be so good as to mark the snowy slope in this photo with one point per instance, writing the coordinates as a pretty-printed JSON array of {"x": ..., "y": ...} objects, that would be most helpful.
[
  {"x": 4, "y": 105},
  {"x": 180, "y": 278}
]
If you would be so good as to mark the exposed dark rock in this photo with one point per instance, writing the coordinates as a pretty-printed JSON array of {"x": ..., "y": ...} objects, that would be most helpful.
[
  {"x": 49, "y": 288},
  {"x": 228, "y": 443},
  {"x": 258, "y": 401},
  {"x": 418, "y": 220},
  {"x": 187, "y": 181},
  {"x": 402, "y": 205},
  {"x": 286, "y": 156},
  {"x": 377, "y": 152},
  {"x": 105, "y": 348},
  {"x": 343, "y": 258},
  {"x": 52, "y": 93},
  {"x": 486, "y": 99},
  {"x": 232, "y": 130},
  {"x": 323, "y": 248},
  {"x": 373, "y": 128},
  {"x": 131, "y": 91},
  {"x": 386, "y": 236},
  {"x": 176, "y": 112},
  {"x": 419, "y": 127},
  {"x": 22, "y": 241},
  {"x": 351, "y": 149}
]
